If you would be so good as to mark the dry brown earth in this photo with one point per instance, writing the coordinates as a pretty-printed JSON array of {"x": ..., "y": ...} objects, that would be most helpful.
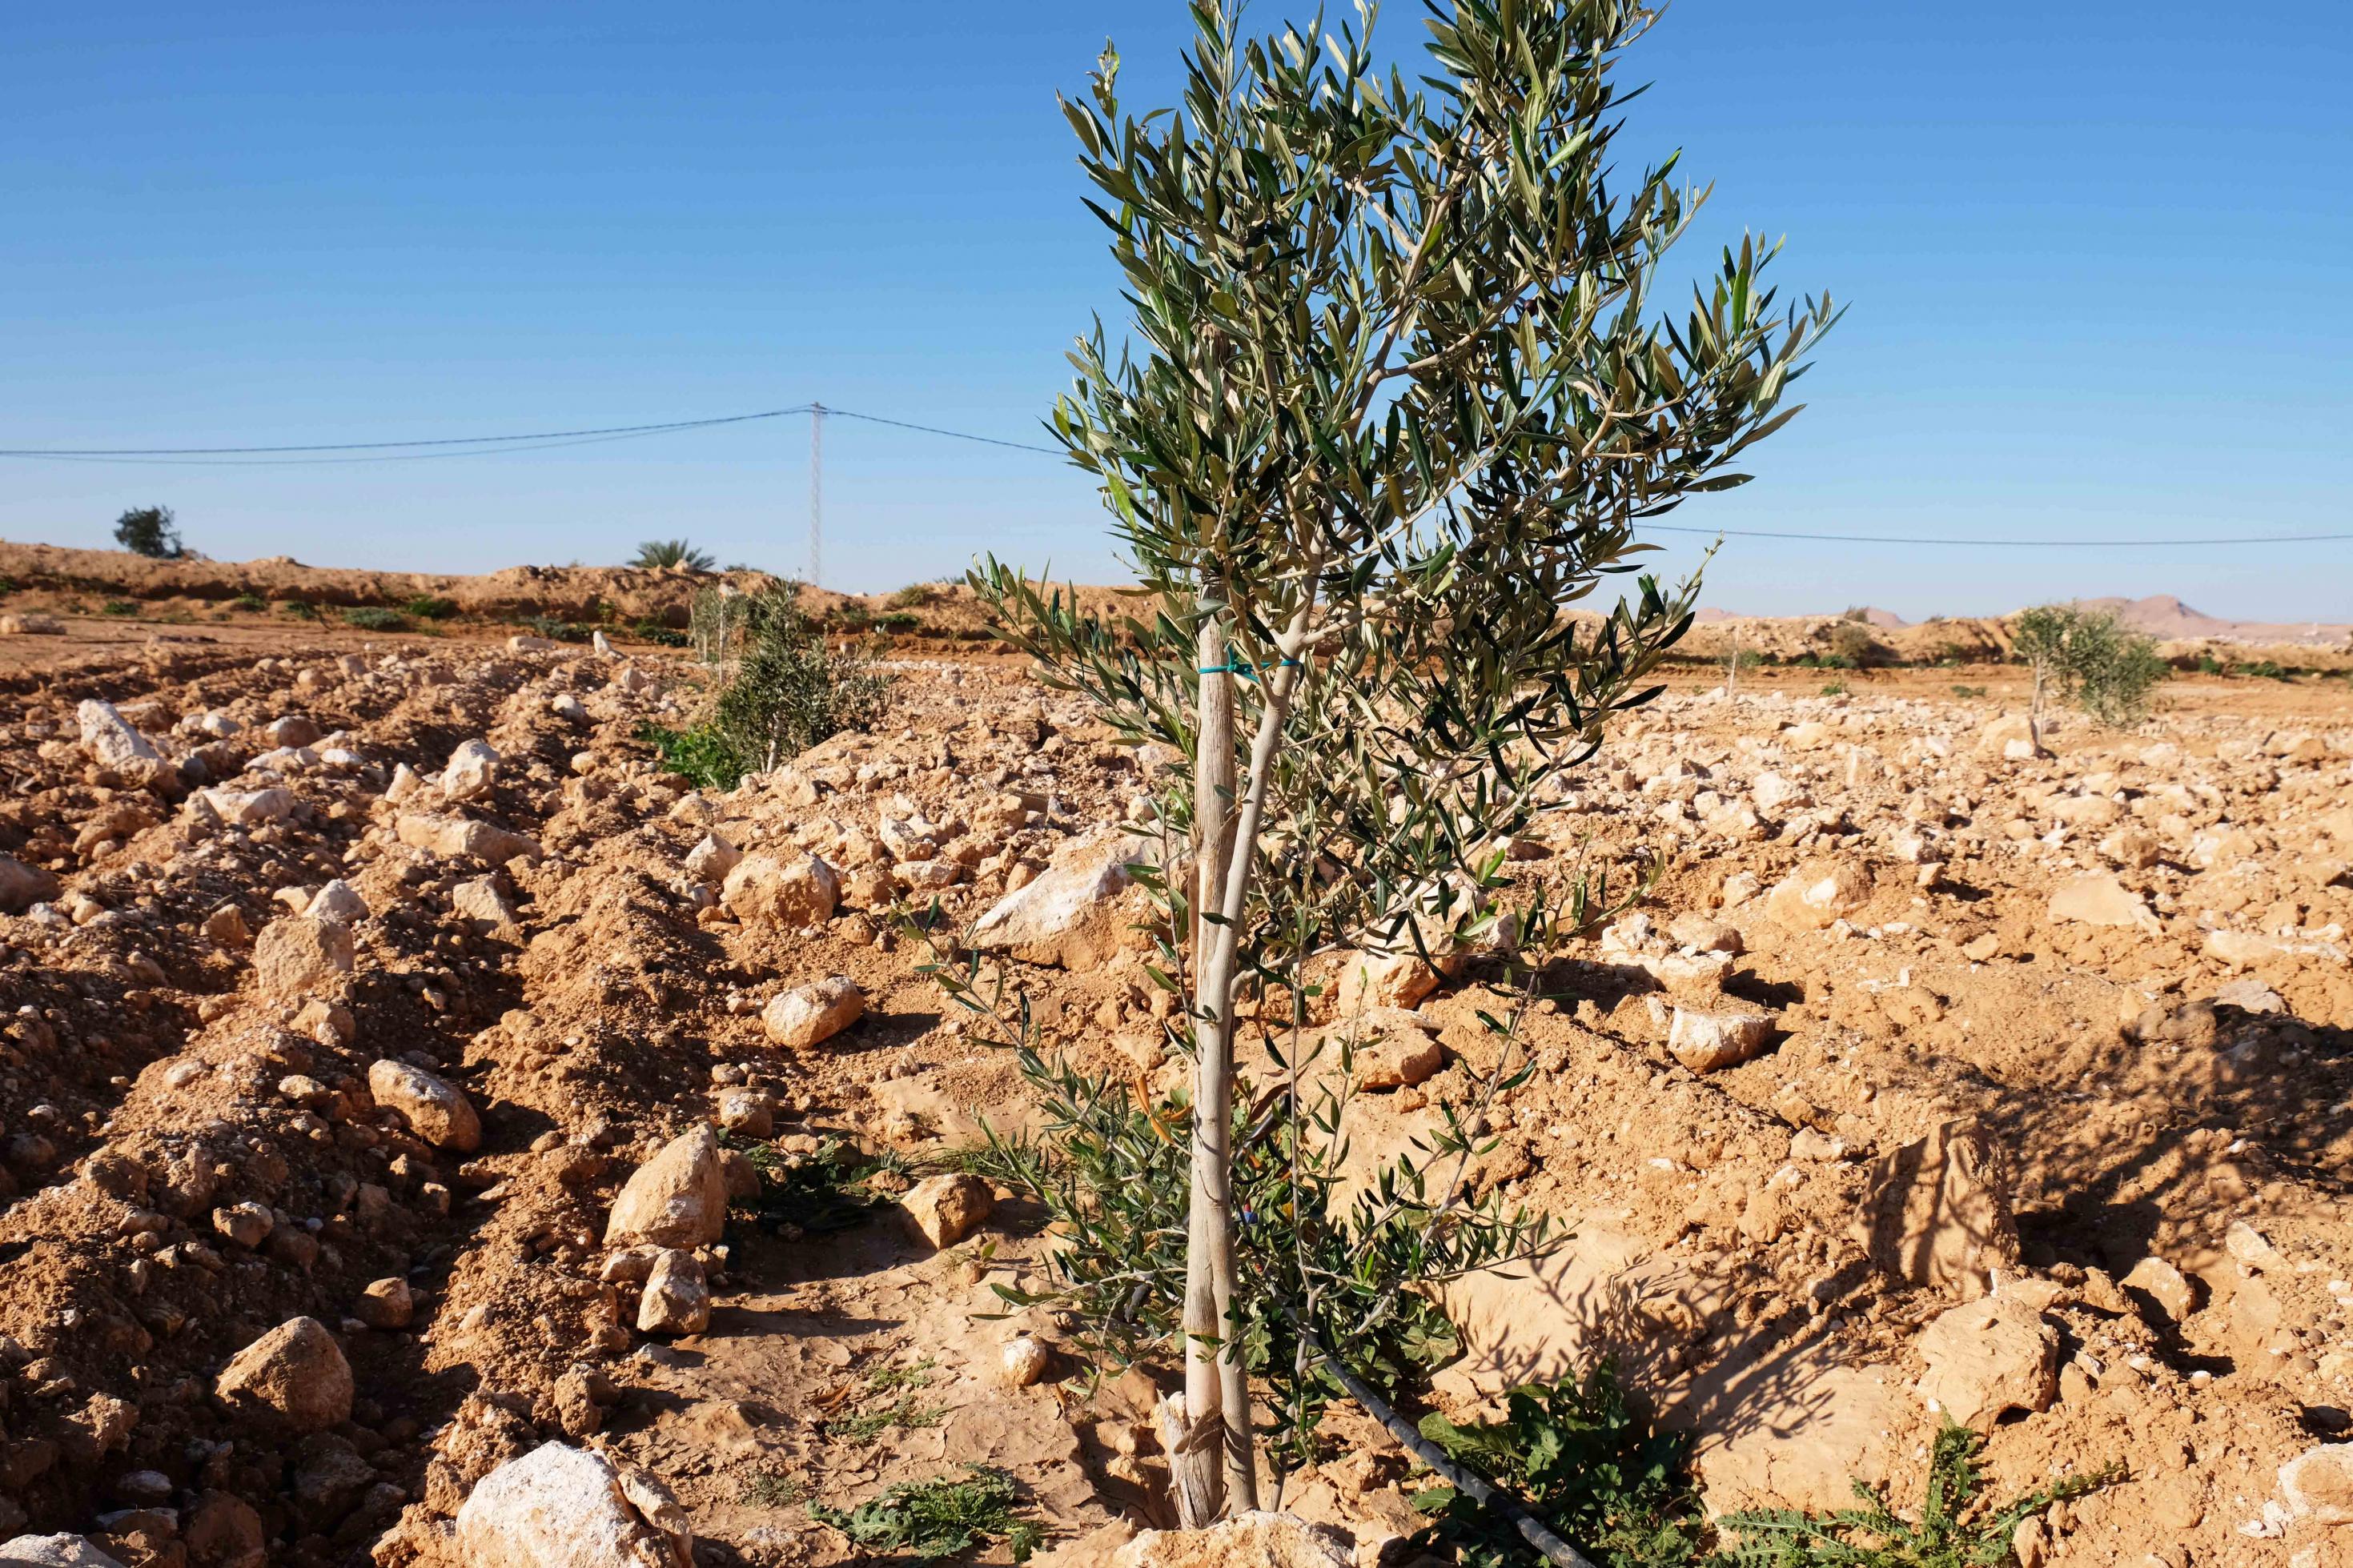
[{"x": 2051, "y": 1120}]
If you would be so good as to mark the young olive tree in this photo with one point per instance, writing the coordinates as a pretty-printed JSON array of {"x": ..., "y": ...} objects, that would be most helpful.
[
  {"x": 2091, "y": 658},
  {"x": 1396, "y": 392}
]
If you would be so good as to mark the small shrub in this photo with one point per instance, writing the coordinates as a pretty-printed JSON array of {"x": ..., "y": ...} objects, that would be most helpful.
[
  {"x": 1853, "y": 641},
  {"x": 1835, "y": 688},
  {"x": 149, "y": 531},
  {"x": 299, "y": 610},
  {"x": 898, "y": 621},
  {"x": 374, "y": 618},
  {"x": 781, "y": 689},
  {"x": 251, "y": 603},
  {"x": 1859, "y": 614},
  {"x": 1579, "y": 1460},
  {"x": 1968, "y": 691},
  {"x": 118, "y": 608},
  {"x": 945, "y": 1517},
  {"x": 1952, "y": 1530},
  {"x": 915, "y": 595},
  {"x": 8, "y": 587},
  {"x": 854, "y": 616},
  {"x": 2269, "y": 669},
  {"x": 2209, "y": 665},
  {"x": 555, "y": 630},
  {"x": 661, "y": 554},
  {"x": 656, "y": 633},
  {"x": 430, "y": 607},
  {"x": 816, "y": 1192}
]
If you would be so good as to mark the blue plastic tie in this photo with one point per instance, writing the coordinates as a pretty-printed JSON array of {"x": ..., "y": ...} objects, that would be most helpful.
[{"x": 1248, "y": 672}]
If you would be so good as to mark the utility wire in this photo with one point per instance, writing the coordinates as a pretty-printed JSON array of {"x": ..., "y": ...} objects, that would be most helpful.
[
  {"x": 545, "y": 440},
  {"x": 1996, "y": 544},
  {"x": 832, "y": 412},
  {"x": 381, "y": 446}
]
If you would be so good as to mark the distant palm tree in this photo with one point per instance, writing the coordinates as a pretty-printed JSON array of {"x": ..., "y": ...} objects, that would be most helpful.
[{"x": 673, "y": 553}]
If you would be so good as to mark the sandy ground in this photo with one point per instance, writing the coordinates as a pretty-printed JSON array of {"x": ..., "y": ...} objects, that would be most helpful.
[{"x": 2101, "y": 997}]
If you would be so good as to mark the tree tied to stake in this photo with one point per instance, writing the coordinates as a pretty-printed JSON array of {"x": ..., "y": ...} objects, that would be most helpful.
[{"x": 1392, "y": 399}]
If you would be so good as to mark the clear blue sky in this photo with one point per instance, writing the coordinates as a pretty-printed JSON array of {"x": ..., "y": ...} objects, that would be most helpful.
[{"x": 2096, "y": 255}]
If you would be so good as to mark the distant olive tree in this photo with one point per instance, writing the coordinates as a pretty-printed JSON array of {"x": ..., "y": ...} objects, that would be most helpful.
[
  {"x": 1396, "y": 392},
  {"x": 2091, "y": 658},
  {"x": 149, "y": 531}
]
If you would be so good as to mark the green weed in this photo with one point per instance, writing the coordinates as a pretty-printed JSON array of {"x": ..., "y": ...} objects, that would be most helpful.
[
  {"x": 118, "y": 608},
  {"x": 940, "y": 1518},
  {"x": 903, "y": 1414},
  {"x": 771, "y": 1490},
  {"x": 1581, "y": 1460},
  {"x": 1952, "y": 1531},
  {"x": 823, "y": 1189},
  {"x": 431, "y": 607},
  {"x": 374, "y": 618}
]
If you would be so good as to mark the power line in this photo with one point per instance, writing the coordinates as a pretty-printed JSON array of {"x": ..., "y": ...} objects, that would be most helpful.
[
  {"x": 545, "y": 440},
  {"x": 1996, "y": 543},
  {"x": 935, "y": 430},
  {"x": 611, "y": 430}
]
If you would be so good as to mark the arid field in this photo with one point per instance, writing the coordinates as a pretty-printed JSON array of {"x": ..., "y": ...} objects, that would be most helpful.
[{"x": 402, "y": 1072}]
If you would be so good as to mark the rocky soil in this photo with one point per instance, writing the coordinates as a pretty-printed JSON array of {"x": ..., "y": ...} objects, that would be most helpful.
[{"x": 385, "y": 1038}]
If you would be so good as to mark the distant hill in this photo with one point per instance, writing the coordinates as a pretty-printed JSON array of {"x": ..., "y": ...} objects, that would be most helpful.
[{"x": 2166, "y": 618}]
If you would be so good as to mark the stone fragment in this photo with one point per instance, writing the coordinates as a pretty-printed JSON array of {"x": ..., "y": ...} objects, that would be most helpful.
[
  {"x": 2100, "y": 901},
  {"x": 1936, "y": 1212},
  {"x": 2164, "y": 1284},
  {"x": 337, "y": 901},
  {"x": 1024, "y": 1360},
  {"x": 675, "y": 1300},
  {"x": 1706, "y": 934},
  {"x": 459, "y": 837},
  {"x": 562, "y": 1507},
  {"x": 386, "y": 1304},
  {"x": 480, "y": 901},
  {"x": 1711, "y": 1041},
  {"x": 711, "y": 859},
  {"x": 1254, "y": 1539},
  {"x": 471, "y": 772},
  {"x": 29, "y": 624},
  {"x": 246, "y": 1224},
  {"x": 1817, "y": 893},
  {"x": 946, "y": 1209},
  {"x": 678, "y": 1198},
  {"x": 1071, "y": 914},
  {"x": 292, "y": 730},
  {"x": 53, "y": 1551},
  {"x": 250, "y": 807},
  {"x": 226, "y": 927},
  {"x": 811, "y": 1014},
  {"x": 23, "y": 886},
  {"x": 109, "y": 739},
  {"x": 763, "y": 889},
  {"x": 301, "y": 954},
  {"x": 1391, "y": 1047},
  {"x": 747, "y": 1112},
  {"x": 295, "y": 1377},
  {"x": 1988, "y": 1357},
  {"x": 2317, "y": 1484},
  {"x": 435, "y": 1111}
]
